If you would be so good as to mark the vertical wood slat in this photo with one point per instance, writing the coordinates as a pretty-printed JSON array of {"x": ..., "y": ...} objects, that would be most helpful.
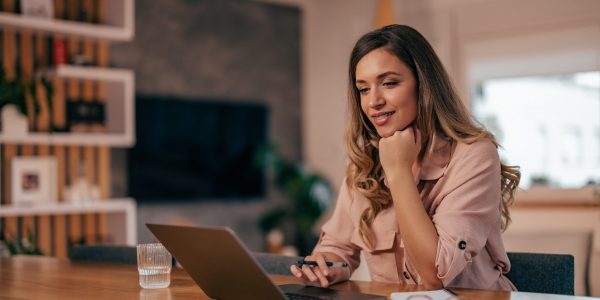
[
  {"x": 10, "y": 223},
  {"x": 41, "y": 61},
  {"x": 60, "y": 236},
  {"x": 26, "y": 57},
  {"x": 89, "y": 151},
  {"x": 28, "y": 229},
  {"x": 74, "y": 155},
  {"x": 44, "y": 232},
  {"x": 60, "y": 221},
  {"x": 74, "y": 219},
  {"x": 104, "y": 155}
]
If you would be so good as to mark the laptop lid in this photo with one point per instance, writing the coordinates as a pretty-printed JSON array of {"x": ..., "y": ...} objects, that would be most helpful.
[
  {"x": 217, "y": 261},
  {"x": 222, "y": 266}
]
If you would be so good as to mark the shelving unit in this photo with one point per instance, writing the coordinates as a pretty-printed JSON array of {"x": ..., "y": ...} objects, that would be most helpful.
[
  {"x": 121, "y": 215},
  {"x": 61, "y": 225},
  {"x": 120, "y": 92},
  {"x": 119, "y": 23}
]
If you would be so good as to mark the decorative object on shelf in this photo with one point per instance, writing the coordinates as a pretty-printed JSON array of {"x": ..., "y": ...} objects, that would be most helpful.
[
  {"x": 38, "y": 8},
  {"x": 14, "y": 124},
  {"x": 33, "y": 180},
  {"x": 26, "y": 245},
  {"x": 310, "y": 194},
  {"x": 81, "y": 191},
  {"x": 12, "y": 93}
]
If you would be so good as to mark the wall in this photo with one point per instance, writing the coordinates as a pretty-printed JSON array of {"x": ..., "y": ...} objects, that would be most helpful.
[{"x": 233, "y": 50}]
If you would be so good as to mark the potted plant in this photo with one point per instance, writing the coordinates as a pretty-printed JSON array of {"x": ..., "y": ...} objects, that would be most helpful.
[
  {"x": 12, "y": 92},
  {"x": 309, "y": 195}
]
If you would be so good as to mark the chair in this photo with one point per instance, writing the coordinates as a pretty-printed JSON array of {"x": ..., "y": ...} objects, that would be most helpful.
[
  {"x": 276, "y": 264},
  {"x": 103, "y": 253},
  {"x": 542, "y": 273}
]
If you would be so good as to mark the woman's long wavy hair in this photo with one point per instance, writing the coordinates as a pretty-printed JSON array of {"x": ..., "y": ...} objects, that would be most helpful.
[{"x": 439, "y": 110}]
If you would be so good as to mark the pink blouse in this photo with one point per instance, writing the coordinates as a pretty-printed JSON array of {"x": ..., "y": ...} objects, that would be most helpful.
[{"x": 460, "y": 190}]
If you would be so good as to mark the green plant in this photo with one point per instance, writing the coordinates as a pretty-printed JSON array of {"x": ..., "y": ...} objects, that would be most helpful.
[
  {"x": 310, "y": 196},
  {"x": 26, "y": 245},
  {"x": 12, "y": 92},
  {"x": 540, "y": 179}
]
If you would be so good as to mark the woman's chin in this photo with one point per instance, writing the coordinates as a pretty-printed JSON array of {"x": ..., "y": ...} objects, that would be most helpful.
[{"x": 385, "y": 134}]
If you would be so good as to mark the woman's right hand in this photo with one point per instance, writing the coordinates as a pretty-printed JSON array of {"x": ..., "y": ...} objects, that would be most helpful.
[{"x": 320, "y": 275}]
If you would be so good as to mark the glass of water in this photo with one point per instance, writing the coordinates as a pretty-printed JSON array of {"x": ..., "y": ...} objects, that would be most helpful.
[{"x": 154, "y": 265}]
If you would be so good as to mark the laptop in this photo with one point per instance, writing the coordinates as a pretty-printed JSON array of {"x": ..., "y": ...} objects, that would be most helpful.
[{"x": 224, "y": 269}]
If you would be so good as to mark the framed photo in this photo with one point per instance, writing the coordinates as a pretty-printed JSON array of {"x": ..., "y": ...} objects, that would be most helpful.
[
  {"x": 38, "y": 8},
  {"x": 33, "y": 180}
]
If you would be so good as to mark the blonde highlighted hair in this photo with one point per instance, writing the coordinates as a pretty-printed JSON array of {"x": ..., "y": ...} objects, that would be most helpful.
[{"x": 439, "y": 110}]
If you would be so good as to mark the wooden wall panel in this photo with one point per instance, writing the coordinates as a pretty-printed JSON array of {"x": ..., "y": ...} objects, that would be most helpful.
[
  {"x": 10, "y": 223},
  {"x": 55, "y": 233},
  {"x": 104, "y": 155}
]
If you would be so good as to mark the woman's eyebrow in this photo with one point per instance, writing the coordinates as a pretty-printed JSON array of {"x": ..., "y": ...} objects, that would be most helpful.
[{"x": 380, "y": 76}]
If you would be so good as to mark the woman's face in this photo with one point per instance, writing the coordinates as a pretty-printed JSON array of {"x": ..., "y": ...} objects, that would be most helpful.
[{"x": 388, "y": 94}]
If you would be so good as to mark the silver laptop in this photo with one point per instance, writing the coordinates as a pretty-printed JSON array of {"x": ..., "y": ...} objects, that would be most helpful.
[{"x": 224, "y": 269}]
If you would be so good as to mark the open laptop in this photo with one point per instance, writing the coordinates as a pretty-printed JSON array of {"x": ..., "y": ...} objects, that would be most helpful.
[{"x": 224, "y": 269}]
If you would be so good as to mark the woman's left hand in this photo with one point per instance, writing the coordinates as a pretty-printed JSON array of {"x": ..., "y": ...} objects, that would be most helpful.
[{"x": 398, "y": 153}]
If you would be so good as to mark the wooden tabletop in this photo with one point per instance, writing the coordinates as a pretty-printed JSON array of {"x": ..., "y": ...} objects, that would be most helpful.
[{"x": 38, "y": 277}]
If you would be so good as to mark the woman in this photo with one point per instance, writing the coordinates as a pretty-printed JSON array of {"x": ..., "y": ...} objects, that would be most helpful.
[{"x": 425, "y": 196}]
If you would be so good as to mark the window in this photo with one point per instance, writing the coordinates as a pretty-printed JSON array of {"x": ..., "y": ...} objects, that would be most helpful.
[{"x": 548, "y": 125}]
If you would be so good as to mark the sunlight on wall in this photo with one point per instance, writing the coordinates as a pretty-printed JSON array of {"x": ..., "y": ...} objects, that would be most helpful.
[{"x": 549, "y": 125}]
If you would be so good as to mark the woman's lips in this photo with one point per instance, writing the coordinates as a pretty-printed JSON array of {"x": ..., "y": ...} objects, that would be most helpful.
[{"x": 381, "y": 118}]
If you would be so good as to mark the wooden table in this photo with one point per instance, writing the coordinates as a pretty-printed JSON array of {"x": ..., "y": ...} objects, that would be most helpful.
[{"x": 38, "y": 277}]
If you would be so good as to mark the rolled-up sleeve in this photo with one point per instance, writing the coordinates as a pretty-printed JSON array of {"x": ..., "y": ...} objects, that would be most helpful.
[
  {"x": 469, "y": 209},
  {"x": 337, "y": 232}
]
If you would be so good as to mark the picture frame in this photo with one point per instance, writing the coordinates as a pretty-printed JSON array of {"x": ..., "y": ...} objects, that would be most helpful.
[
  {"x": 38, "y": 8},
  {"x": 33, "y": 180}
]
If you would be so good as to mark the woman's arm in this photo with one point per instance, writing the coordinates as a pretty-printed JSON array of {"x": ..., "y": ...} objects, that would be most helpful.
[
  {"x": 416, "y": 228},
  {"x": 398, "y": 154}
]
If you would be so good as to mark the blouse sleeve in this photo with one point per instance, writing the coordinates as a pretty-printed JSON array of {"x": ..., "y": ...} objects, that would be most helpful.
[
  {"x": 469, "y": 209},
  {"x": 337, "y": 231}
]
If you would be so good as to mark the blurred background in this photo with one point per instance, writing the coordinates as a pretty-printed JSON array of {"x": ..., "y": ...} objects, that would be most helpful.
[{"x": 116, "y": 113}]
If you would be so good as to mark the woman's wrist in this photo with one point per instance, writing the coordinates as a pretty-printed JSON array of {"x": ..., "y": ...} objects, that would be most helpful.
[{"x": 399, "y": 175}]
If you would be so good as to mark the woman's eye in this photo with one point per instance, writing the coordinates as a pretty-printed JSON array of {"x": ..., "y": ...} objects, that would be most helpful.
[
  {"x": 390, "y": 83},
  {"x": 363, "y": 90}
]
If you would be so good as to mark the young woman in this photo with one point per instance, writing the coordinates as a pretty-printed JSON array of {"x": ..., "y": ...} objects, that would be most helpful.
[{"x": 425, "y": 195}]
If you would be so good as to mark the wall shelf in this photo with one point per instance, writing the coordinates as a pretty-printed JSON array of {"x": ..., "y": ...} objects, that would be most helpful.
[
  {"x": 121, "y": 214},
  {"x": 120, "y": 109},
  {"x": 119, "y": 23}
]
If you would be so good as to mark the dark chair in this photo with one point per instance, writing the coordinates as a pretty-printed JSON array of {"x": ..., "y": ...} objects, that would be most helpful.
[
  {"x": 103, "y": 253},
  {"x": 276, "y": 264},
  {"x": 542, "y": 273}
]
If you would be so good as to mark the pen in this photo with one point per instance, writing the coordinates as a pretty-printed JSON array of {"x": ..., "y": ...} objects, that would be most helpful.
[
  {"x": 329, "y": 263},
  {"x": 451, "y": 292}
]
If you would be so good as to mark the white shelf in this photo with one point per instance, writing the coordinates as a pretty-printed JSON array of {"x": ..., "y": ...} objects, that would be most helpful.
[
  {"x": 120, "y": 111},
  {"x": 121, "y": 215},
  {"x": 119, "y": 19}
]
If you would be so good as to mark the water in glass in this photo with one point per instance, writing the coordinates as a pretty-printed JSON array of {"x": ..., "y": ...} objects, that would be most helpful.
[{"x": 154, "y": 265}]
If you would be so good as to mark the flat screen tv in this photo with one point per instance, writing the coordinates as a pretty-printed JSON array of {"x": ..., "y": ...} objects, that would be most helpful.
[{"x": 196, "y": 149}]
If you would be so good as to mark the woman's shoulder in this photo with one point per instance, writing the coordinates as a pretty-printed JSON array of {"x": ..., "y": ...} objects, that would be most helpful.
[{"x": 482, "y": 149}]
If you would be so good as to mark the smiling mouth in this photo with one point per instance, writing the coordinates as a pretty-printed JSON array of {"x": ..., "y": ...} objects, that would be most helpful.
[
  {"x": 381, "y": 118},
  {"x": 384, "y": 115}
]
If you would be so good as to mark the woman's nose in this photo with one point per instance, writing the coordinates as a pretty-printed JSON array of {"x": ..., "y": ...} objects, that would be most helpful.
[{"x": 377, "y": 100}]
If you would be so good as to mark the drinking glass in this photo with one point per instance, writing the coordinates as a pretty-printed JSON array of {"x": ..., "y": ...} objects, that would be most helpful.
[{"x": 154, "y": 265}]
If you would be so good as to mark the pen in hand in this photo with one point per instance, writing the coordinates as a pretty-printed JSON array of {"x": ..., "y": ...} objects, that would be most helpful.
[{"x": 329, "y": 263}]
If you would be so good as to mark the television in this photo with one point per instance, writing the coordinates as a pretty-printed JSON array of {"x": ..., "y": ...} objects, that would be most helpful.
[{"x": 196, "y": 149}]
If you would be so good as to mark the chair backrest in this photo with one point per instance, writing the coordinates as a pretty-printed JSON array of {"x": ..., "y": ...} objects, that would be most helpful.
[
  {"x": 276, "y": 264},
  {"x": 103, "y": 253},
  {"x": 272, "y": 263},
  {"x": 542, "y": 273}
]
